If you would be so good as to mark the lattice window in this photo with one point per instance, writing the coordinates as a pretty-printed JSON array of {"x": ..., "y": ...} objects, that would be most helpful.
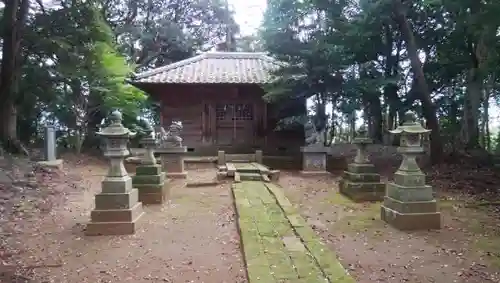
[
  {"x": 222, "y": 111},
  {"x": 243, "y": 112}
]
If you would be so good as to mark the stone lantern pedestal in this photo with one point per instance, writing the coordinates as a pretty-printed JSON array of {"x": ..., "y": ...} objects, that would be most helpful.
[
  {"x": 361, "y": 181},
  {"x": 149, "y": 178},
  {"x": 172, "y": 161},
  {"x": 409, "y": 203},
  {"x": 117, "y": 208},
  {"x": 314, "y": 160}
]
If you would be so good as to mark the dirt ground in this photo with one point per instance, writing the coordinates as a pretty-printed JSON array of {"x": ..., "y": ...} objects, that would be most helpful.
[
  {"x": 192, "y": 238},
  {"x": 467, "y": 249}
]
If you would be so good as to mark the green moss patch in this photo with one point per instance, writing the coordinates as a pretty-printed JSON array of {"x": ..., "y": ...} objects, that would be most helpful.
[{"x": 277, "y": 243}]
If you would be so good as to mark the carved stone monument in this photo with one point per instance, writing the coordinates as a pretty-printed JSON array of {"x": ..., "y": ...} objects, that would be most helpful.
[
  {"x": 361, "y": 181},
  {"x": 314, "y": 153},
  {"x": 117, "y": 208},
  {"x": 409, "y": 203},
  {"x": 149, "y": 178},
  {"x": 172, "y": 152}
]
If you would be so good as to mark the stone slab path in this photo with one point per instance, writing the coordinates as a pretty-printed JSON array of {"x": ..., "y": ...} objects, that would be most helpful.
[{"x": 278, "y": 244}]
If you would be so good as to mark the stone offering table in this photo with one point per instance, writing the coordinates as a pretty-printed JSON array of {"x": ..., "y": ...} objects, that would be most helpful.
[
  {"x": 314, "y": 160},
  {"x": 172, "y": 161},
  {"x": 117, "y": 208},
  {"x": 409, "y": 203},
  {"x": 149, "y": 178},
  {"x": 361, "y": 181}
]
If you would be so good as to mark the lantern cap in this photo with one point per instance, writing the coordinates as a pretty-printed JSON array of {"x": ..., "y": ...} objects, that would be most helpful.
[
  {"x": 410, "y": 125},
  {"x": 116, "y": 129},
  {"x": 362, "y": 136}
]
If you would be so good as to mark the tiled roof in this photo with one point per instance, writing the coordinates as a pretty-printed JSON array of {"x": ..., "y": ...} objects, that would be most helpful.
[{"x": 214, "y": 68}]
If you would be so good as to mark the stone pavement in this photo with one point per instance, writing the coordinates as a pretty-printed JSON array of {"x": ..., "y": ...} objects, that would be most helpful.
[{"x": 278, "y": 244}]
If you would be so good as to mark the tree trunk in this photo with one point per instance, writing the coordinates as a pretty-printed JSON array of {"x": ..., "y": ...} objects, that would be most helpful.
[
  {"x": 428, "y": 107},
  {"x": 14, "y": 17},
  {"x": 470, "y": 125}
]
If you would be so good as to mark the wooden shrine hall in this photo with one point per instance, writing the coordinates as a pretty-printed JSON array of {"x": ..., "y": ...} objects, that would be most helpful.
[{"x": 218, "y": 98}]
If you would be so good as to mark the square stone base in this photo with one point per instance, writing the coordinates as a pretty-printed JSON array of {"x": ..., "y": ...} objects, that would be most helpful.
[
  {"x": 153, "y": 194},
  {"x": 175, "y": 175},
  {"x": 360, "y": 192},
  {"x": 53, "y": 164},
  {"x": 114, "y": 222},
  {"x": 410, "y": 221},
  {"x": 314, "y": 173}
]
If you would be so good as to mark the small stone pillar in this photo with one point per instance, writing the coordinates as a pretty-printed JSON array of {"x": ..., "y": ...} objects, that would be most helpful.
[
  {"x": 221, "y": 158},
  {"x": 314, "y": 159},
  {"x": 259, "y": 156},
  {"x": 361, "y": 181},
  {"x": 117, "y": 208},
  {"x": 49, "y": 149},
  {"x": 409, "y": 203},
  {"x": 149, "y": 178}
]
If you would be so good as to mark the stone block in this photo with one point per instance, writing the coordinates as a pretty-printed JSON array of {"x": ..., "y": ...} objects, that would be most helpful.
[
  {"x": 361, "y": 177},
  {"x": 52, "y": 164},
  {"x": 361, "y": 168},
  {"x": 411, "y": 207},
  {"x": 148, "y": 170},
  {"x": 409, "y": 179},
  {"x": 231, "y": 169},
  {"x": 410, "y": 221},
  {"x": 221, "y": 175},
  {"x": 314, "y": 161},
  {"x": 148, "y": 179},
  {"x": 154, "y": 198},
  {"x": 360, "y": 192},
  {"x": 409, "y": 194},
  {"x": 117, "y": 215},
  {"x": 116, "y": 185},
  {"x": 177, "y": 175},
  {"x": 274, "y": 175},
  {"x": 259, "y": 156},
  {"x": 104, "y": 201},
  {"x": 221, "y": 157},
  {"x": 110, "y": 228},
  {"x": 361, "y": 183}
]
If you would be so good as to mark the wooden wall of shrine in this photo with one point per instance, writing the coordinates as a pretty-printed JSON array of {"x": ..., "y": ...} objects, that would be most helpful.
[{"x": 222, "y": 116}]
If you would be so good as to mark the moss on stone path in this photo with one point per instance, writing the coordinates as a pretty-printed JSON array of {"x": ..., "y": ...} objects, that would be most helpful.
[{"x": 278, "y": 244}]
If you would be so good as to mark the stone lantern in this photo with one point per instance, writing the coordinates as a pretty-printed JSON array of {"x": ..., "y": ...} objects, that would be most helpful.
[
  {"x": 361, "y": 182},
  {"x": 409, "y": 203},
  {"x": 116, "y": 207},
  {"x": 149, "y": 178}
]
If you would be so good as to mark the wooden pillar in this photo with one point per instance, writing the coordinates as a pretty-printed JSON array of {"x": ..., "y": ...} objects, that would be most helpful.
[
  {"x": 203, "y": 122},
  {"x": 212, "y": 128},
  {"x": 264, "y": 122}
]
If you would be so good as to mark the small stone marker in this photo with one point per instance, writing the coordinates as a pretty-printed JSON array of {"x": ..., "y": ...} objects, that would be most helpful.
[
  {"x": 49, "y": 149},
  {"x": 50, "y": 143},
  {"x": 409, "y": 203},
  {"x": 361, "y": 181},
  {"x": 117, "y": 208},
  {"x": 149, "y": 178},
  {"x": 314, "y": 160}
]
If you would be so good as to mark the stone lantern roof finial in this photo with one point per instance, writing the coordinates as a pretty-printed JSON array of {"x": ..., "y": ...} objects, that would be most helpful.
[
  {"x": 410, "y": 125},
  {"x": 116, "y": 117},
  {"x": 116, "y": 127}
]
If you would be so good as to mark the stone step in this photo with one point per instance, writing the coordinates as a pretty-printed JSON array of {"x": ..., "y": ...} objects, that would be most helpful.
[
  {"x": 249, "y": 170},
  {"x": 250, "y": 177},
  {"x": 240, "y": 161}
]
